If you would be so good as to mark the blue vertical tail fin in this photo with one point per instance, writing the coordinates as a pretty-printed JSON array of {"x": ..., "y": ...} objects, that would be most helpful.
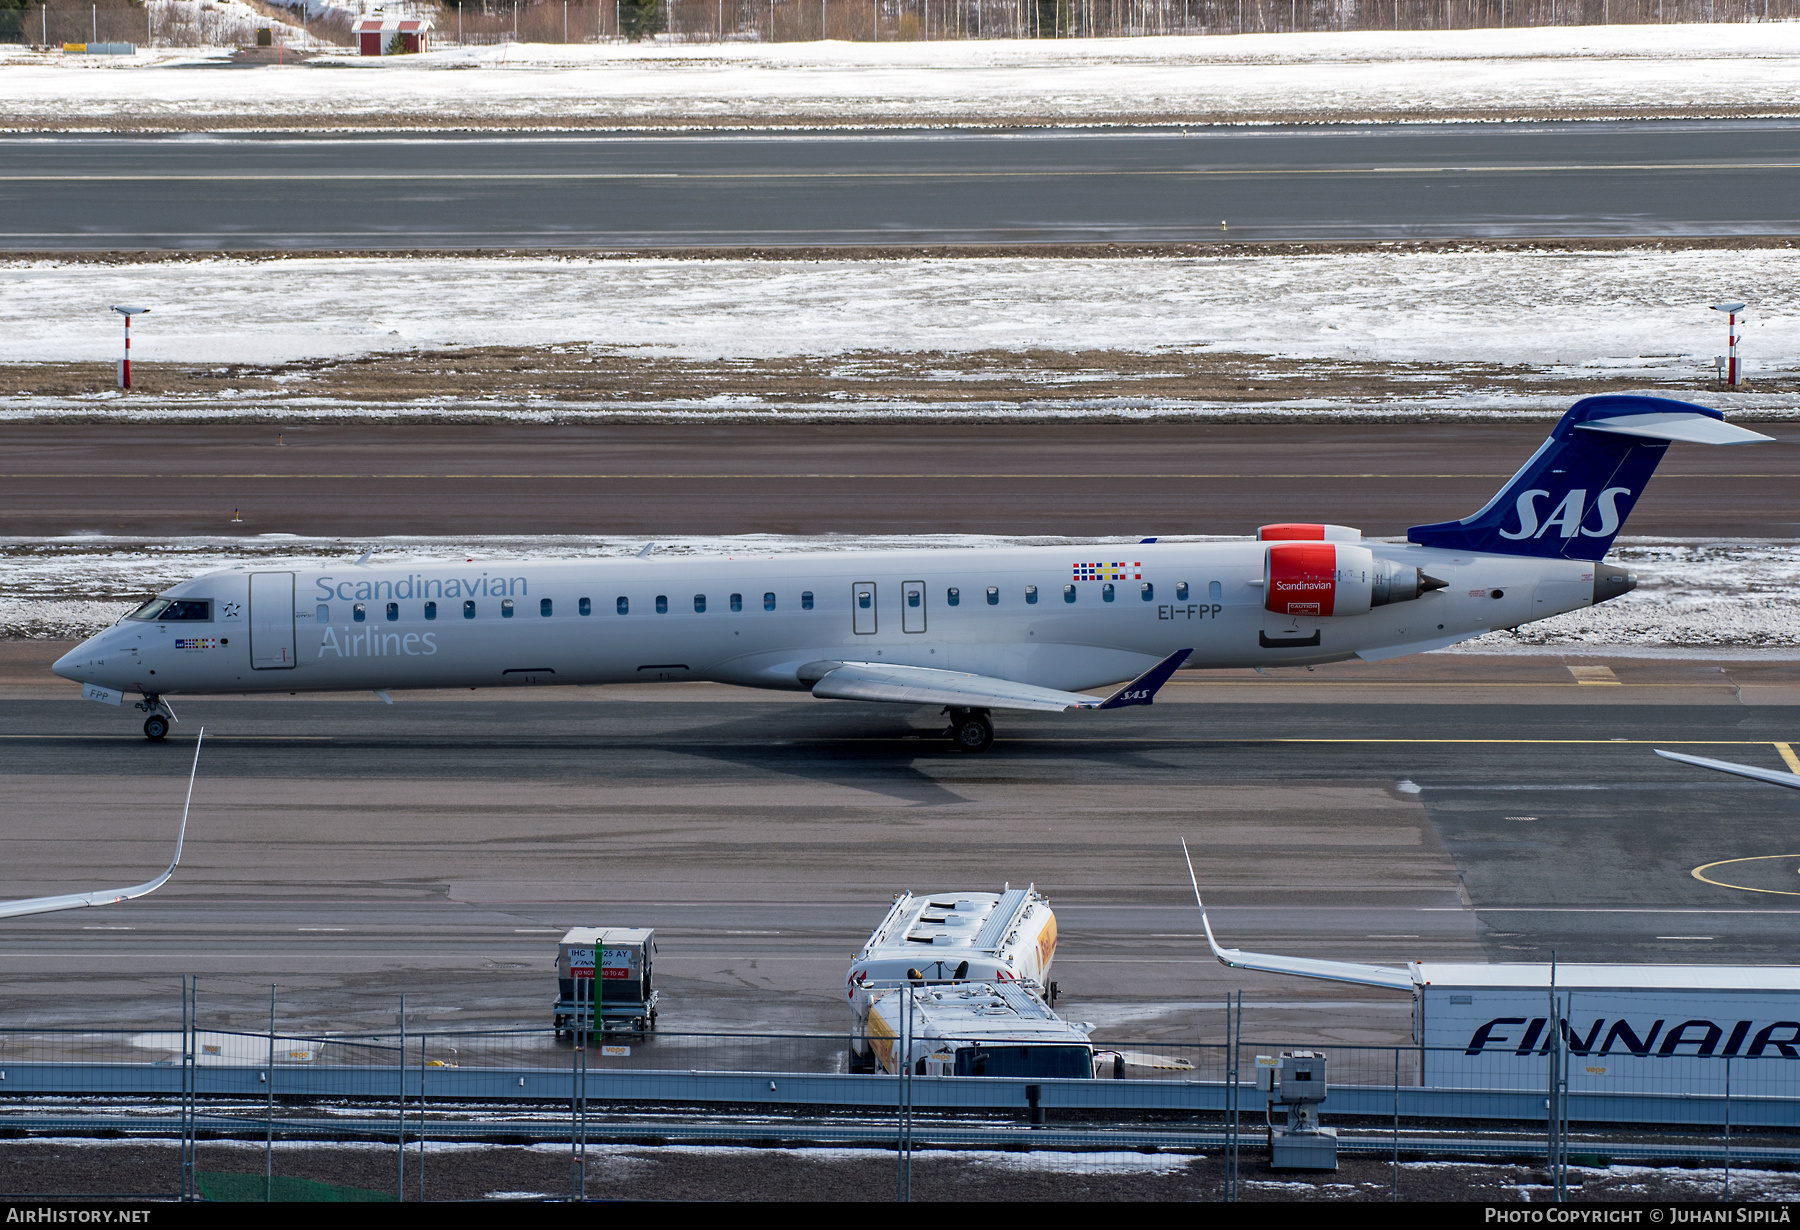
[{"x": 1570, "y": 500}]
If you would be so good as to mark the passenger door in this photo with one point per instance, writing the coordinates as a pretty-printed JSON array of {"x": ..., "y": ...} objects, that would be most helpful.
[
  {"x": 862, "y": 607},
  {"x": 271, "y": 621},
  {"x": 912, "y": 606}
]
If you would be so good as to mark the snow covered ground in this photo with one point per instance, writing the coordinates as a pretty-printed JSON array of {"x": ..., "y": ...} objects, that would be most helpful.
[
  {"x": 1582, "y": 71},
  {"x": 1715, "y": 595},
  {"x": 1634, "y": 314}
]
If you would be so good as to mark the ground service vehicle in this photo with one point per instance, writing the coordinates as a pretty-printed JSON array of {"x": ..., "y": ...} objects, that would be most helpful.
[
  {"x": 622, "y": 998},
  {"x": 980, "y": 1029}
]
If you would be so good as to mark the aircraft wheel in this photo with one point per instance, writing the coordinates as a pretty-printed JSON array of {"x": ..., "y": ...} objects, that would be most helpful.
[
  {"x": 972, "y": 732},
  {"x": 156, "y": 726}
]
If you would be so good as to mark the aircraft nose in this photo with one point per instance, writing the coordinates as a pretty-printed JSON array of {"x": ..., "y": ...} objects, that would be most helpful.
[{"x": 73, "y": 665}]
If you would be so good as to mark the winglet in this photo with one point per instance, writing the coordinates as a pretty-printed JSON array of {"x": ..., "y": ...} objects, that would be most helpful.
[
  {"x": 1143, "y": 689},
  {"x": 75, "y": 901},
  {"x": 1304, "y": 967}
]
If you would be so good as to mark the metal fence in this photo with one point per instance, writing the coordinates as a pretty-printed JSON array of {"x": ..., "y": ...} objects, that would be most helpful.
[
  {"x": 1177, "y": 1117},
  {"x": 189, "y": 23}
]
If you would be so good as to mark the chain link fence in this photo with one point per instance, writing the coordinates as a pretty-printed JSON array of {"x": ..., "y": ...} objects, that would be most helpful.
[{"x": 190, "y": 1109}]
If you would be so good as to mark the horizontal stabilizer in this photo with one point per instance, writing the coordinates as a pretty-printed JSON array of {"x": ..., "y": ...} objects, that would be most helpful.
[
  {"x": 1303, "y": 967},
  {"x": 1682, "y": 425},
  {"x": 927, "y": 685},
  {"x": 1775, "y": 777},
  {"x": 109, "y": 896}
]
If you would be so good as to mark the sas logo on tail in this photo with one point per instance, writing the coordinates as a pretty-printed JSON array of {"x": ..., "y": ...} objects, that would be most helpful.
[{"x": 1567, "y": 516}]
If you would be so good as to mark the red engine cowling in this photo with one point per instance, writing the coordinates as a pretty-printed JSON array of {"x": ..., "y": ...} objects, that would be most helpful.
[
  {"x": 1336, "y": 578},
  {"x": 1297, "y": 531}
]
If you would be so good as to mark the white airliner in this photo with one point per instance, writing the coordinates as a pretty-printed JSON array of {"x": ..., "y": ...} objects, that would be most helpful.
[
  {"x": 112, "y": 896},
  {"x": 970, "y": 630}
]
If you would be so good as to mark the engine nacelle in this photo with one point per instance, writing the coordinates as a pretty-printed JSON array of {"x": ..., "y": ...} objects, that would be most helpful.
[
  {"x": 1295, "y": 531},
  {"x": 1336, "y": 578}
]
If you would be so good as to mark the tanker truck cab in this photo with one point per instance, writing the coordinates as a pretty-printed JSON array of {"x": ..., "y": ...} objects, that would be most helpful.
[{"x": 980, "y": 1029}]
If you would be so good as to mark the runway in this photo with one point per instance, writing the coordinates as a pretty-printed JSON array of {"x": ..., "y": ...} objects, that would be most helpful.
[
  {"x": 467, "y": 191},
  {"x": 142, "y": 479},
  {"x": 349, "y": 852}
]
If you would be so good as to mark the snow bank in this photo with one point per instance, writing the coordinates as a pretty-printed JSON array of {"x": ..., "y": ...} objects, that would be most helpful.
[{"x": 1627, "y": 314}]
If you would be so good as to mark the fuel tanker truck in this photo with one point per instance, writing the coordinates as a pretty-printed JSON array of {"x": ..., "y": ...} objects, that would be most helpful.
[{"x": 1006, "y": 938}]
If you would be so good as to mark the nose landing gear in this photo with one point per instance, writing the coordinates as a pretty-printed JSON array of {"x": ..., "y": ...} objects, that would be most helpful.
[
  {"x": 156, "y": 726},
  {"x": 970, "y": 730}
]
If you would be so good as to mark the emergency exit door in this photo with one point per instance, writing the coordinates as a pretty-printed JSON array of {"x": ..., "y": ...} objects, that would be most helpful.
[
  {"x": 912, "y": 606},
  {"x": 271, "y": 621},
  {"x": 862, "y": 607}
]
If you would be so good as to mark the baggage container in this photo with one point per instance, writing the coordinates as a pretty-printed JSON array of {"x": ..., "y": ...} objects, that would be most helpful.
[{"x": 621, "y": 999}]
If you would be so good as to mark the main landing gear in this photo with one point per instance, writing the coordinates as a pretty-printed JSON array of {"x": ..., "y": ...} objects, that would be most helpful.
[
  {"x": 970, "y": 730},
  {"x": 156, "y": 726}
]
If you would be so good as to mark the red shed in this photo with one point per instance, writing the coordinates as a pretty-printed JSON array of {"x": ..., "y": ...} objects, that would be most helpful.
[{"x": 374, "y": 35}]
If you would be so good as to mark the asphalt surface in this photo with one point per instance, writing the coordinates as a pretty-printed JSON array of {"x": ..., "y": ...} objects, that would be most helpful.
[
  {"x": 143, "y": 479},
  {"x": 1067, "y": 186},
  {"x": 352, "y": 852}
]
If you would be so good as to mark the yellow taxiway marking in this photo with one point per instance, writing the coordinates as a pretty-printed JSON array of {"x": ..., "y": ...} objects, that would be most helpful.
[
  {"x": 1787, "y": 754},
  {"x": 1697, "y": 873},
  {"x": 1596, "y": 676}
]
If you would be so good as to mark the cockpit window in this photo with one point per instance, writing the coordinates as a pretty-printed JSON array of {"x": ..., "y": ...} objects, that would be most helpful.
[{"x": 175, "y": 610}]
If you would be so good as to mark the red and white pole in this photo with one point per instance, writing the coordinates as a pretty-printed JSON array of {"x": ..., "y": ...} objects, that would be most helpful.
[
  {"x": 1731, "y": 354},
  {"x": 125, "y": 363}
]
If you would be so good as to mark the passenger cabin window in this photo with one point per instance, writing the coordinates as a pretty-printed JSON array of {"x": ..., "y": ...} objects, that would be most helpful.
[
  {"x": 737, "y": 602},
  {"x": 1031, "y": 595},
  {"x": 584, "y": 606},
  {"x": 544, "y": 607},
  {"x": 430, "y": 610},
  {"x": 1068, "y": 593},
  {"x": 993, "y": 593},
  {"x": 624, "y": 606},
  {"x": 662, "y": 604},
  {"x": 359, "y": 612},
  {"x": 469, "y": 609},
  {"x": 1181, "y": 591},
  {"x": 175, "y": 610},
  {"x": 323, "y": 614},
  {"x": 953, "y": 596},
  {"x": 768, "y": 602},
  {"x": 1214, "y": 591},
  {"x": 806, "y": 600},
  {"x": 699, "y": 604},
  {"x": 1106, "y": 592},
  {"x": 506, "y": 608},
  {"x": 1147, "y": 591},
  {"x": 393, "y": 611}
]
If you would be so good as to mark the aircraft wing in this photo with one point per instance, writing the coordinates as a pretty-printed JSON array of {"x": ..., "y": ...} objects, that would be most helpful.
[
  {"x": 1774, "y": 777},
  {"x": 1304, "y": 967},
  {"x": 925, "y": 685},
  {"x": 108, "y": 896}
]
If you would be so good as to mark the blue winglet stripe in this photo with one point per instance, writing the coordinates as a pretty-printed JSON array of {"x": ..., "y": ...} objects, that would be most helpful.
[{"x": 1143, "y": 689}]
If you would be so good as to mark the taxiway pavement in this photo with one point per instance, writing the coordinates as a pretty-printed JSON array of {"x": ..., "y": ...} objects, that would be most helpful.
[{"x": 348, "y": 851}]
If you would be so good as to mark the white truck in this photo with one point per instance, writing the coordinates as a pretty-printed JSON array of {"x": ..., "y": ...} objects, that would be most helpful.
[
  {"x": 980, "y": 1029},
  {"x": 1003, "y": 937},
  {"x": 1643, "y": 1029}
]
